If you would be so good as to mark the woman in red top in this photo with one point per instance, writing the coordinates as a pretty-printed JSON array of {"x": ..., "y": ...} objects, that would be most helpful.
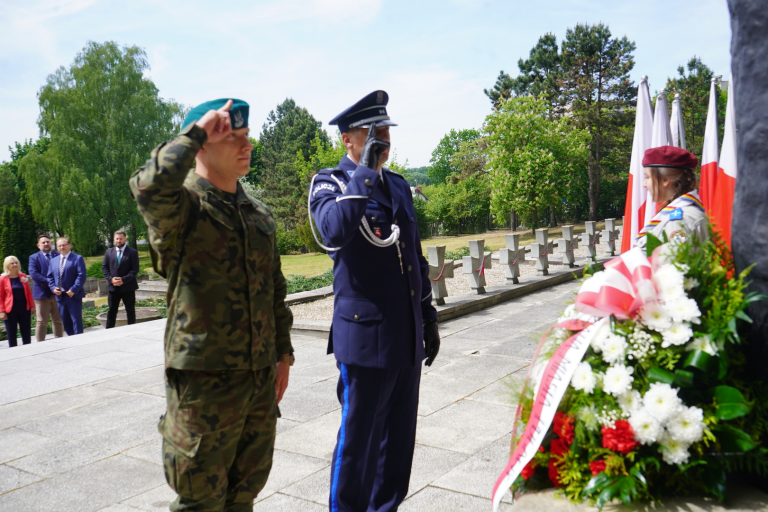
[{"x": 15, "y": 301}]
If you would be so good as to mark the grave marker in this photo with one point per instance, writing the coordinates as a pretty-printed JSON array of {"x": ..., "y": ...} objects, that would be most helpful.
[
  {"x": 439, "y": 269},
  {"x": 475, "y": 265},
  {"x": 511, "y": 256},
  {"x": 611, "y": 234},
  {"x": 566, "y": 246},
  {"x": 590, "y": 239},
  {"x": 540, "y": 250}
]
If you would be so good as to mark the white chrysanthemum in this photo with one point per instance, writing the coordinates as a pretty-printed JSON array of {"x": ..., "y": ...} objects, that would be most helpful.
[
  {"x": 661, "y": 401},
  {"x": 690, "y": 283},
  {"x": 618, "y": 379},
  {"x": 614, "y": 349},
  {"x": 647, "y": 429},
  {"x": 672, "y": 450},
  {"x": 687, "y": 425},
  {"x": 678, "y": 334},
  {"x": 630, "y": 402},
  {"x": 602, "y": 334},
  {"x": 703, "y": 343},
  {"x": 583, "y": 379},
  {"x": 669, "y": 282},
  {"x": 683, "y": 310},
  {"x": 653, "y": 316}
]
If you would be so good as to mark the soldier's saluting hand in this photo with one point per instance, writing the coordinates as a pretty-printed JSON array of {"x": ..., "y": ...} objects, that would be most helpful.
[{"x": 227, "y": 341}]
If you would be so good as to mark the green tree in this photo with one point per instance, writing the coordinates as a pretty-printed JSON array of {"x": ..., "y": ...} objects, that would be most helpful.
[
  {"x": 290, "y": 130},
  {"x": 533, "y": 161},
  {"x": 694, "y": 88},
  {"x": 103, "y": 117},
  {"x": 11, "y": 181},
  {"x": 469, "y": 161},
  {"x": 598, "y": 90},
  {"x": 461, "y": 207},
  {"x": 540, "y": 74},
  {"x": 418, "y": 176},
  {"x": 441, "y": 157}
]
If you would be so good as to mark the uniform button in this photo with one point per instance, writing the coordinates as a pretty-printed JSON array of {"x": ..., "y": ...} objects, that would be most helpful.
[
  {"x": 411, "y": 218},
  {"x": 410, "y": 268},
  {"x": 357, "y": 317},
  {"x": 395, "y": 221},
  {"x": 402, "y": 244},
  {"x": 413, "y": 293},
  {"x": 367, "y": 183},
  {"x": 373, "y": 219}
]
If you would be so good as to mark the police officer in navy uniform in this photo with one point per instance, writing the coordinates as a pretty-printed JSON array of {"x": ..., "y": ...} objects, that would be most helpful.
[{"x": 384, "y": 324}]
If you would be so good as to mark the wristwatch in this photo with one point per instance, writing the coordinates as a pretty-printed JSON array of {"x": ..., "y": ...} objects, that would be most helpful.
[{"x": 287, "y": 358}]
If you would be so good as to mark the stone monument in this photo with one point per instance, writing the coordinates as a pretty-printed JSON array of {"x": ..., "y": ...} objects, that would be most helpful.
[
  {"x": 439, "y": 269},
  {"x": 566, "y": 246},
  {"x": 511, "y": 256},
  {"x": 590, "y": 239},
  {"x": 610, "y": 235},
  {"x": 540, "y": 250},
  {"x": 475, "y": 265}
]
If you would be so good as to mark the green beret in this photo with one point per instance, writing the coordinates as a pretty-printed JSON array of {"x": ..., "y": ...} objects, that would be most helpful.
[{"x": 238, "y": 114}]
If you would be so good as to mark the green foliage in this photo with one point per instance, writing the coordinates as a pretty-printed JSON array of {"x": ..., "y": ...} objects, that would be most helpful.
[
  {"x": 18, "y": 231},
  {"x": 418, "y": 176},
  {"x": 288, "y": 241},
  {"x": 461, "y": 252},
  {"x": 94, "y": 270},
  {"x": 458, "y": 207},
  {"x": 442, "y": 166},
  {"x": 103, "y": 117},
  {"x": 533, "y": 161},
  {"x": 289, "y": 139},
  {"x": 255, "y": 176},
  {"x": 297, "y": 283}
]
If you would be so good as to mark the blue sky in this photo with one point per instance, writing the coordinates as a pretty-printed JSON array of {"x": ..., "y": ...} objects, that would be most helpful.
[{"x": 434, "y": 58}]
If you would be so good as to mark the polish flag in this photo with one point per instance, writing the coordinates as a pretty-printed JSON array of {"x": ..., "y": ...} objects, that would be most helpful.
[
  {"x": 661, "y": 136},
  {"x": 722, "y": 204},
  {"x": 676, "y": 123},
  {"x": 634, "y": 210},
  {"x": 709, "y": 155}
]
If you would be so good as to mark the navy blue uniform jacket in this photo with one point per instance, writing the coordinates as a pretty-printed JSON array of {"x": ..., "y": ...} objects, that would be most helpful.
[{"x": 378, "y": 311}]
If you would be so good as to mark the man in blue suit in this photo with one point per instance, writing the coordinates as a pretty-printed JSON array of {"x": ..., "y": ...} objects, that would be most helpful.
[
  {"x": 384, "y": 324},
  {"x": 66, "y": 277},
  {"x": 45, "y": 300}
]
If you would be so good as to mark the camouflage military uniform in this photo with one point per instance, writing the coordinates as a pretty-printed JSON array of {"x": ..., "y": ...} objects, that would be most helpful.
[{"x": 227, "y": 324}]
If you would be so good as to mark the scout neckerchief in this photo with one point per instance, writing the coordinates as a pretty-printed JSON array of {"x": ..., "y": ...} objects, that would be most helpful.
[{"x": 661, "y": 218}]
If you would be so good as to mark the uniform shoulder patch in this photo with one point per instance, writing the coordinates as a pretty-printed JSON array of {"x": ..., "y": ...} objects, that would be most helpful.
[
  {"x": 676, "y": 214},
  {"x": 323, "y": 186}
]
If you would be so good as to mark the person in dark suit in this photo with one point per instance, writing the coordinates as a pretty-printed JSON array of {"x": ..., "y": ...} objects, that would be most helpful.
[
  {"x": 384, "y": 324},
  {"x": 66, "y": 277},
  {"x": 45, "y": 300},
  {"x": 120, "y": 267}
]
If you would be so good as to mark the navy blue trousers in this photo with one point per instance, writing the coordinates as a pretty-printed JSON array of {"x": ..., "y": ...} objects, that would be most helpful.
[
  {"x": 71, "y": 311},
  {"x": 371, "y": 465}
]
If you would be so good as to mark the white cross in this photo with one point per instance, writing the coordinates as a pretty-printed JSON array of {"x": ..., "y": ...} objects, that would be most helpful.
[
  {"x": 511, "y": 256},
  {"x": 439, "y": 269},
  {"x": 475, "y": 265}
]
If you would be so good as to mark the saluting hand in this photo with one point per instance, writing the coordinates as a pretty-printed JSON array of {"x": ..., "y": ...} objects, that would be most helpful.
[{"x": 217, "y": 123}]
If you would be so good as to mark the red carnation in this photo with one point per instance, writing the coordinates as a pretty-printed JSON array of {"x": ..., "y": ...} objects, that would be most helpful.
[
  {"x": 597, "y": 467},
  {"x": 620, "y": 438},
  {"x": 554, "y": 474},
  {"x": 528, "y": 470},
  {"x": 558, "y": 447},
  {"x": 563, "y": 426}
]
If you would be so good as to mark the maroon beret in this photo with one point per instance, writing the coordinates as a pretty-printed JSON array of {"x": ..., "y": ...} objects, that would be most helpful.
[{"x": 669, "y": 156}]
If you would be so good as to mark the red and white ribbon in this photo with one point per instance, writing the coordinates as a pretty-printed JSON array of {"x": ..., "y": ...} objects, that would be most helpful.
[
  {"x": 557, "y": 376},
  {"x": 441, "y": 274}
]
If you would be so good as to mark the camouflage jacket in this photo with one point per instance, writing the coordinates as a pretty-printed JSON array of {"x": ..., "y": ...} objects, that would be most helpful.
[{"x": 226, "y": 292}]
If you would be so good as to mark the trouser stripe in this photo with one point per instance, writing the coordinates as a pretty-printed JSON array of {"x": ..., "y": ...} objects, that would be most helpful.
[{"x": 342, "y": 435}]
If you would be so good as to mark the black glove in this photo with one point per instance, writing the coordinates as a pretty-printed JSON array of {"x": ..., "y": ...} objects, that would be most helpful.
[
  {"x": 373, "y": 149},
  {"x": 431, "y": 340}
]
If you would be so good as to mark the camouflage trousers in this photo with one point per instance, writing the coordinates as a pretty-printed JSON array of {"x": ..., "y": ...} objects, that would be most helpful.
[{"x": 218, "y": 437}]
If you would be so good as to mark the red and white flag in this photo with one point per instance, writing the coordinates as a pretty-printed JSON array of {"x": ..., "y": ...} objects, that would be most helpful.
[
  {"x": 709, "y": 156},
  {"x": 722, "y": 204},
  {"x": 634, "y": 211},
  {"x": 661, "y": 136},
  {"x": 676, "y": 123}
]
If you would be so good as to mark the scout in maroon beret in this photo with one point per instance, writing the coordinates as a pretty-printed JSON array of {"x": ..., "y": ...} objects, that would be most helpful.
[{"x": 670, "y": 156}]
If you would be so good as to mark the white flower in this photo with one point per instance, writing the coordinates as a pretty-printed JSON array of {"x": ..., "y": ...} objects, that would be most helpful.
[
  {"x": 618, "y": 379},
  {"x": 630, "y": 402},
  {"x": 690, "y": 283},
  {"x": 687, "y": 425},
  {"x": 588, "y": 416},
  {"x": 600, "y": 337},
  {"x": 647, "y": 429},
  {"x": 672, "y": 450},
  {"x": 583, "y": 378},
  {"x": 669, "y": 282},
  {"x": 677, "y": 334},
  {"x": 614, "y": 348},
  {"x": 655, "y": 317},
  {"x": 683, "y": 310},
  {"x": 570, "y": 312},
  {"x": 661, "y": 401},
  {"x": 703, "y": 343}
]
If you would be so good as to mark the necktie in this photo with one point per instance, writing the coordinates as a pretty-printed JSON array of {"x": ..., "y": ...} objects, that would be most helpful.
[
  {"x": 61, "y": 268},
  {"x": 119, "y": 254},
  {"x": 48, "y": 256}
]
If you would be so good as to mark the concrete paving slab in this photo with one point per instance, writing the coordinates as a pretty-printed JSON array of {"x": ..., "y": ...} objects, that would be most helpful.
[
  {"x": 284, "y": 424},
  {"x": 465, "y": 426},
  {"x": 86, "y": 489},
  {"x": 309, "y": 402},
  {"x": 151, "y": 451},
  {"x": 16, "y": 443},
  {"x": 153, "y": 500},
  {"x": 12, "y": 478},
  {"x": 289, "y": 468},
  {"x": 500, "y": 392},
  {"x": 138, "y": 381},
  {"x": 315, "y": 487},
  {"x": 438, "y": 391},
  {"x": 33, "y": 383},
  {"x": 308, "y": 375},
  {"x": 433, "y": 499},
  {"x": 118, "y": 508},
  {"x": 481, "y": 369},
  {"x": 283, "y": 503},
  {"x": 429, "y": 464},
  {"x": 315, "y": 438}
]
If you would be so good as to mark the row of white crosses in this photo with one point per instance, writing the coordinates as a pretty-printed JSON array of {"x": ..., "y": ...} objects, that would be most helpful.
[{"x": 513, "y": 254}]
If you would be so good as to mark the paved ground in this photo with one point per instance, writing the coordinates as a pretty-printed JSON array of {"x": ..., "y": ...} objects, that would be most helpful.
[{"x": 78, "y": 417}]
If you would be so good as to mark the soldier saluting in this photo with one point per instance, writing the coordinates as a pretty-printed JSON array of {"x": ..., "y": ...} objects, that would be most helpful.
[
  {"x": 383, "y": 316},
  {"x": 227, "y": 343}
]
